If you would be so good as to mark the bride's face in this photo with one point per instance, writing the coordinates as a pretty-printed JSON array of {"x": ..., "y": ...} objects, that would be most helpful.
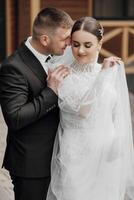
[{"x": 85, "y": 46}]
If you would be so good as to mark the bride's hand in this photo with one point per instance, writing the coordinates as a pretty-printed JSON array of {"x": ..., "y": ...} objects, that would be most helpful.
[{"x": 110, "y": 62}]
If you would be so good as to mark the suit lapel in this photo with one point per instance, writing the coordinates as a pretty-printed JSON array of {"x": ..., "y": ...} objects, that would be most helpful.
[{"x": 32, "y": 62}]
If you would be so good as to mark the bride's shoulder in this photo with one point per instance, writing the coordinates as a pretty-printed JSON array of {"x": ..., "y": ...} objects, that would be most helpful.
[{"x": 109, "y": 75}]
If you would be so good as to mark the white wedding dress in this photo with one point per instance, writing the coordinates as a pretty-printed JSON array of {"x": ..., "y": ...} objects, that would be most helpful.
[{"x": 93, "y": 152}]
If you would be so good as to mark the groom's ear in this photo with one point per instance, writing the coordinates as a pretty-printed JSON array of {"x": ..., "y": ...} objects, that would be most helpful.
[{"x": 44, "y": 40}]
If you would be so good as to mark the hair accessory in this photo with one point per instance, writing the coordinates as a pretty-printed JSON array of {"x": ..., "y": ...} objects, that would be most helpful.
[{"x": 100, "y": 31}]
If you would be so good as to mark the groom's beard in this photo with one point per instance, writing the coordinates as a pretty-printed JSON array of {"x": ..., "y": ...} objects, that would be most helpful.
[{"x": 56, "y": 50}]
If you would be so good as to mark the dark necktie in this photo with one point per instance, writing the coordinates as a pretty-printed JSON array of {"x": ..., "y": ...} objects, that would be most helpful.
[{"x": 48, "y": 58}]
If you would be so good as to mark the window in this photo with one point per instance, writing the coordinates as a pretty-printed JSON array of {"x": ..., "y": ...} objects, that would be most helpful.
[{"x": 115, "y": 9}]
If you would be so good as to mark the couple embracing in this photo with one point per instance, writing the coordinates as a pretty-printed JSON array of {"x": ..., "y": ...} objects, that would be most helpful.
[{"x": 68, "y": 117}]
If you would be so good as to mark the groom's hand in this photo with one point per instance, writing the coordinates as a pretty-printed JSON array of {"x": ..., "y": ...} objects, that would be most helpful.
[
  {"x": 56, "y": 76},
  {"x": 110, "y": 62}
]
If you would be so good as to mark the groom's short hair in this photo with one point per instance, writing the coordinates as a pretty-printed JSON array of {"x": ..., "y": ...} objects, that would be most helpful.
[{"x": 49, "y": 19}]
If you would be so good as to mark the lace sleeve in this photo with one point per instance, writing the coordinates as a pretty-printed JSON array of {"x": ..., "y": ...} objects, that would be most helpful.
[
  {"x": 77, "y": 94},
  {"x": 105, "y": 79},
  {"x": 73, "y": 93}
]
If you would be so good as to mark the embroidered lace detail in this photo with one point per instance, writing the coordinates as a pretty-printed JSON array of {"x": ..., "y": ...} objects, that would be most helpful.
[{"x": 88, "y": 67}]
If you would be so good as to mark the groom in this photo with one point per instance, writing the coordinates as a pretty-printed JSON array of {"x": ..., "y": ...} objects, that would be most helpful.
[{"x": 29, "y": 103}]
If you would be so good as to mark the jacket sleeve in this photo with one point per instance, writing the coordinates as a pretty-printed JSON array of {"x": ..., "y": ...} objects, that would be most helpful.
[{"x": 18, "y": 111}]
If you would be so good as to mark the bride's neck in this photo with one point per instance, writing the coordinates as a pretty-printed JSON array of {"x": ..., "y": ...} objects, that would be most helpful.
[{"x": 83, "y": 67}]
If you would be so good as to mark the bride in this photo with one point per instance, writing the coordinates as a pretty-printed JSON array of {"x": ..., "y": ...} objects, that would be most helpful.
[{"x": 93, "y": 152}]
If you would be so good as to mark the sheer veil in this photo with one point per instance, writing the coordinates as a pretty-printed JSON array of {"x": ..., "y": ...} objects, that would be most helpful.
[{"x": 124, "y": 125}]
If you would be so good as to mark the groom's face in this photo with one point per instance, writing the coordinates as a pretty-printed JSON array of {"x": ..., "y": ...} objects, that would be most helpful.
[{"x": 59, "y": 40}]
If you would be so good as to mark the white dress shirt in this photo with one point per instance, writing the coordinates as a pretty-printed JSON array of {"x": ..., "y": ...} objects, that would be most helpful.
[{"x": 39, "y": 56}]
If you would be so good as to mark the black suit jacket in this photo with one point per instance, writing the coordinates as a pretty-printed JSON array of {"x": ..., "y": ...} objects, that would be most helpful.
[{"x": 31, "y": 113}]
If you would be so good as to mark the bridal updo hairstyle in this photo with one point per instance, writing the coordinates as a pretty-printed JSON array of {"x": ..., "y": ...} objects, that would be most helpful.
[{"x": 90, "y": 25}]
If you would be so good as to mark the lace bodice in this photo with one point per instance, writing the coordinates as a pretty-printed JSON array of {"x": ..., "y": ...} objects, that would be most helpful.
[{"x": 86, "y": 93}]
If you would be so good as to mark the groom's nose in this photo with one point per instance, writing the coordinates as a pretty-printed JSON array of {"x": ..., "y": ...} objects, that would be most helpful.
[{"x": 68, "y": 41}]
